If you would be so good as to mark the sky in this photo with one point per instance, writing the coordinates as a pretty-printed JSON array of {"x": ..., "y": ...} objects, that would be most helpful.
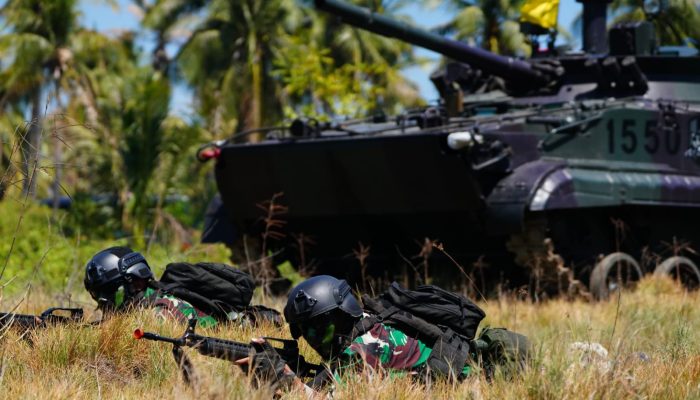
[{"x": 105, "y": 18}]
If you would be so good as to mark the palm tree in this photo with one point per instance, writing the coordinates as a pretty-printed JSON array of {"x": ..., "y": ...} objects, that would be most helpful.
[
  {"x": 234, "y": 59},
  {"x": 124, "y": 132},
  {"x": 37, "y": 46},
  {"x": 40, "y": 68},
  {"x": 490, "y": 24},
  {"x": 134, "y": 148},
  {"x": 228, "y": 57},
  {"x": 386, "y": 57}
]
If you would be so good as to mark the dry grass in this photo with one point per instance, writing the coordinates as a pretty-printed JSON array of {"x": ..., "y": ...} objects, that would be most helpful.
[{"x": 658, "y": 319}]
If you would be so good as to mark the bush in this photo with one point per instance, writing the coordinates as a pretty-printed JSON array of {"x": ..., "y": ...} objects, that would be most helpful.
[{"x": 42, "y": 252}]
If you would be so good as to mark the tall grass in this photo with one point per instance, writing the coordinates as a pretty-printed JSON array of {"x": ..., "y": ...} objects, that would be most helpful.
[{"x": 659, "y": 320}]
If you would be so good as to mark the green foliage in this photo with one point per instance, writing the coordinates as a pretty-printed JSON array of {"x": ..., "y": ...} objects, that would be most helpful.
[
  {"x": 287, "y": 271},
  {"x": 386, "y": 56},
  {"x": 678, "y": 25},
  {"x": 228, "y": 57},
  {"x": 490, "y": 24},
  {"x": 38, "y": 63},
  {"x": 10, "y": 124},
  {"x": 143, "y": 135},
  {"x": 139, "y": 153},
  {"x": 96, "y": 215},
  {"x": 39, "y": 251},
  {"x": 316, "y": 87},
  {"x": 36, "y": 251},
  {"x": 253, "y": 63}
]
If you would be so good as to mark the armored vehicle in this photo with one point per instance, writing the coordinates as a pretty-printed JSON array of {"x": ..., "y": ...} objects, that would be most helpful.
[{"x": 560, "y": 172}]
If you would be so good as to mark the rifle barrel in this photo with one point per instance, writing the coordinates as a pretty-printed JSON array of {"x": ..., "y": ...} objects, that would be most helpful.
[
  {"x": 21, "y": 320},
  {"x": 230, "y": 350}
]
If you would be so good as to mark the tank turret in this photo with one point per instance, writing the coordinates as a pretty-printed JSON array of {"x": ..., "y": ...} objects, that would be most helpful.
[{"x": 519, "y": 74}]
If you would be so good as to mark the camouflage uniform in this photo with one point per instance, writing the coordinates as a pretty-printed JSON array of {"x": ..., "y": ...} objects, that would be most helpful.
[
  {"x": 171, "y": 307},
  {"x": 387, "y": 348}
]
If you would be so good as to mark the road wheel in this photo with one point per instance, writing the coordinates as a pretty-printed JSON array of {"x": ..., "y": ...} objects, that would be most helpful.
[
  {"x": 681, "y": 269},
  {"x": 612, "y": 273}
]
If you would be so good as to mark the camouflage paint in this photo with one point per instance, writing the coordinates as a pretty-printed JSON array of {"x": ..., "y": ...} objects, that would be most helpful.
[{"x": 625, "y": 157}]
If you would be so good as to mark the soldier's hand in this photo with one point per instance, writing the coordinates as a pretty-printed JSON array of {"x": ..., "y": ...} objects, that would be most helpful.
[{"x": 266, "y": 364}]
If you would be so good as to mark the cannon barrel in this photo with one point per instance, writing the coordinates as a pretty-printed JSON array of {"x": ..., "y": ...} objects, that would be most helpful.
[{"x": 511, "y": 69}]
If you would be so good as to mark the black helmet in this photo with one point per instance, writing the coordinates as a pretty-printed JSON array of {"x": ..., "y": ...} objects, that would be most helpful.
[
  {"x": 112, "y": 269},
  {"x": 317, "y": 303}
]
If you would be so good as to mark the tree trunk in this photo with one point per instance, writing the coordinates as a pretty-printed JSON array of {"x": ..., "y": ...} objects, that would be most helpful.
[
  {"x": 6, "y": 166},
  {"x": 31, "y": 144},
  {"x": 256, "y": 72},
  {"x": 251, "y": 102},
  {"x": 57, "y": 164}
]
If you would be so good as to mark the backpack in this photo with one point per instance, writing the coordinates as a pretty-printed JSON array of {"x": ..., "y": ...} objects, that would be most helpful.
[
  {"x": 504, "y": 348},
  {"x": 214, "y": 288},
  {"x": 443, "y": 320}
]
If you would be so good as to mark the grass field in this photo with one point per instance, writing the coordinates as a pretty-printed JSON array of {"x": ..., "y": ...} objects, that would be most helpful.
[
  {"x": 657, "y": 319},
  {"x": 651, "y": 335}
]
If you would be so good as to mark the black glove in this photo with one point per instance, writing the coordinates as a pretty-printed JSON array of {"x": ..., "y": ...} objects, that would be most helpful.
[{"x": 268, "y": 366}]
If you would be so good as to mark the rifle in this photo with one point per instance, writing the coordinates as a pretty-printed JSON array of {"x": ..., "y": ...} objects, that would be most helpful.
[
  {"x": 228, "y": 350},
  {"x": 46, "y": 318}
]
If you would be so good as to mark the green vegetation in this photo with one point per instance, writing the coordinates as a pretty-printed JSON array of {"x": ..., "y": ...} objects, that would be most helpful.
[{"x": 38, "y": 252}]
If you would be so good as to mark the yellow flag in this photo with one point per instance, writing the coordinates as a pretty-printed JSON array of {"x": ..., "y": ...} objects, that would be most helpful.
[{"x": 540, "y": 12}]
